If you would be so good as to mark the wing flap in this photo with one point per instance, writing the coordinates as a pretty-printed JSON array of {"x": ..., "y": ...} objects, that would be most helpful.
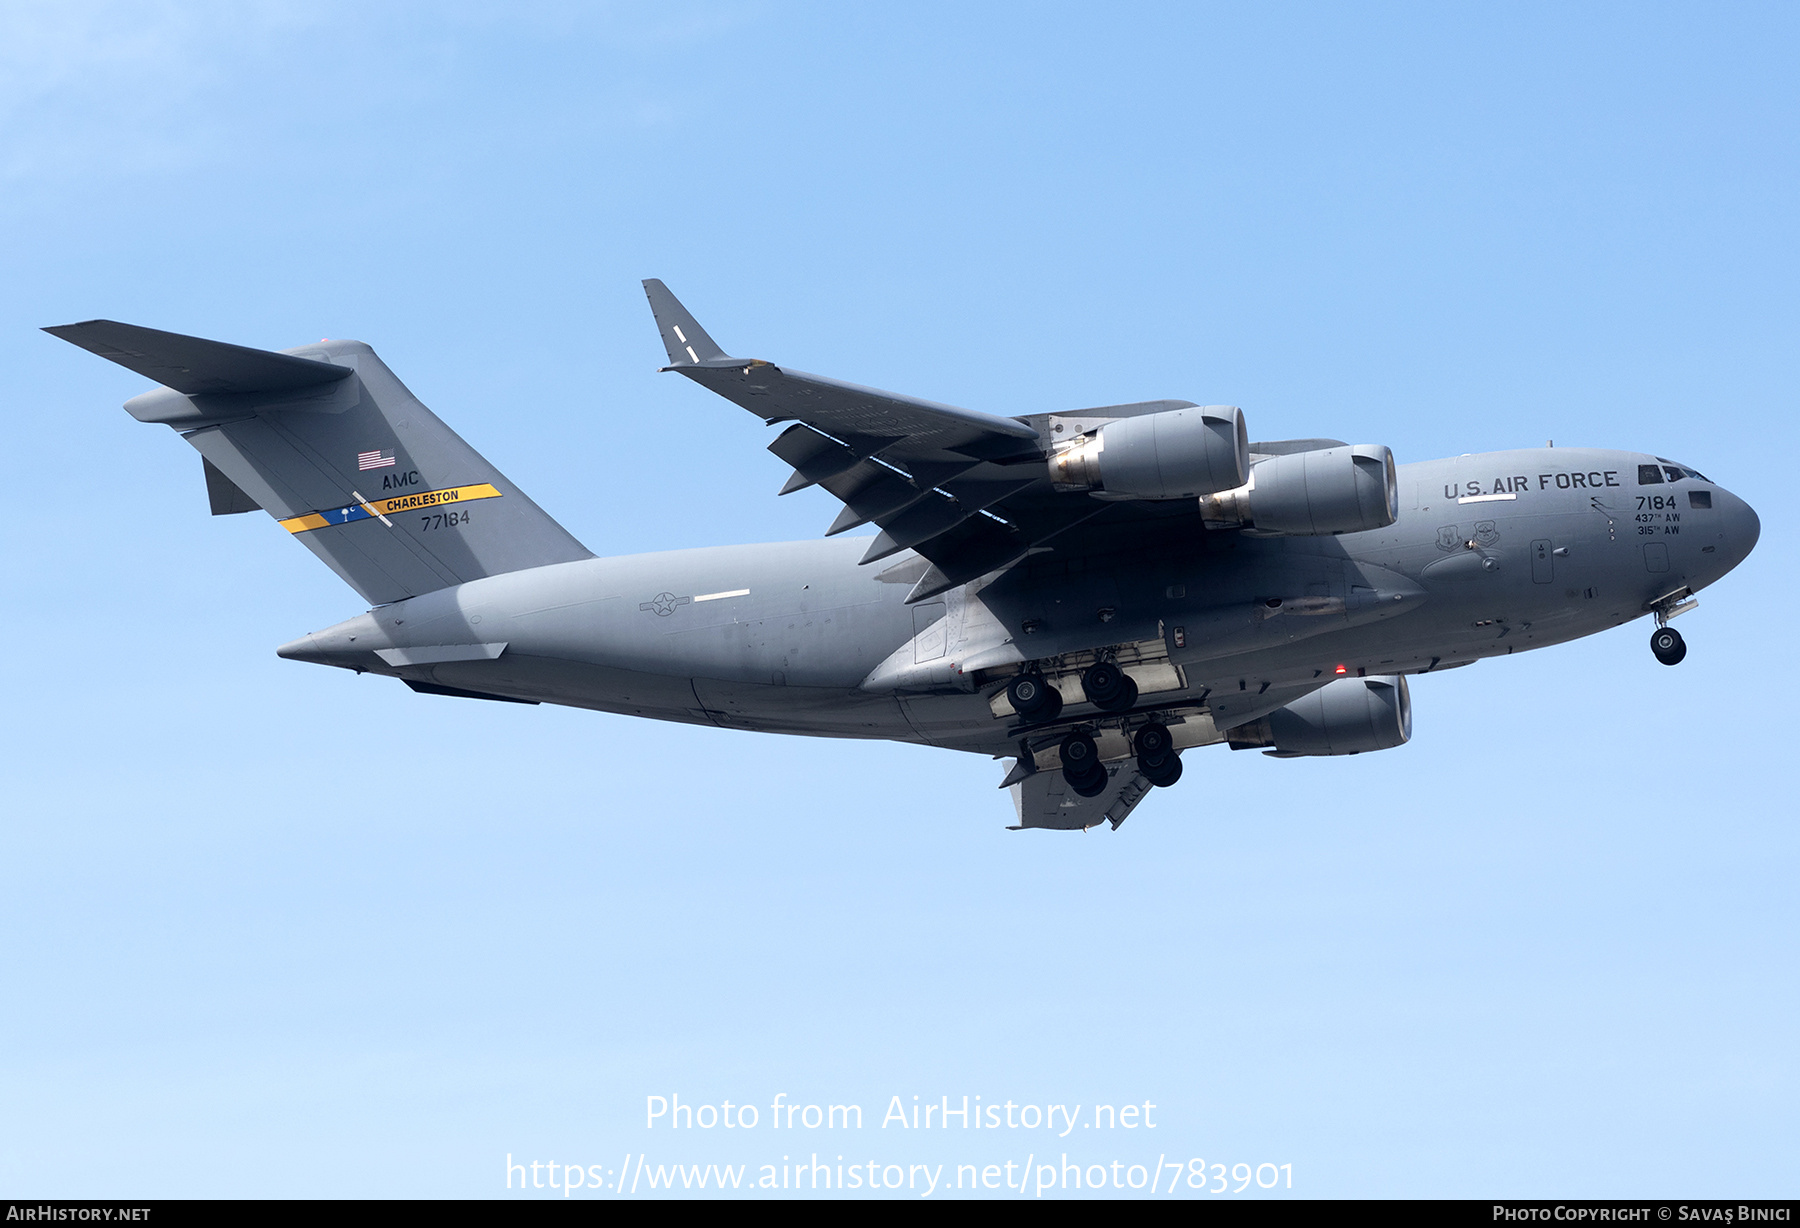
[{"x": 918, "y": 523}]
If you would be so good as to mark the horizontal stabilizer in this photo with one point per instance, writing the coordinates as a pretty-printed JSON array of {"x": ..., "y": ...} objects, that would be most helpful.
[{"x": 195, "y": 366}]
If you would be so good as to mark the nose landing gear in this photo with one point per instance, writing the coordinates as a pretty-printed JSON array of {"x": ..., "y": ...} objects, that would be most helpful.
[{"x": 1667, "y": 645}]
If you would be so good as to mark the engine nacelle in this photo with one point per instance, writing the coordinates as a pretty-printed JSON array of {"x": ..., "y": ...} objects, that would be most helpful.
[
  {"x": 1310, "y": 494},
  {"x": 1175, "y": 454},
  {"x": 1346, "y": 716}
]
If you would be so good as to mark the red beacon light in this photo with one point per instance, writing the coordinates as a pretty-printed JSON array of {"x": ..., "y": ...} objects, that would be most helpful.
[{"x": 1342, "y": 670}]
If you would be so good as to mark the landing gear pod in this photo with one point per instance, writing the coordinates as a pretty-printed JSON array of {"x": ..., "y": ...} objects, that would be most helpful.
[
  {"x": 1175, "y": 454},
  {"x": 1345, "y": 717},
  {"x": 1312, "y": 494}
]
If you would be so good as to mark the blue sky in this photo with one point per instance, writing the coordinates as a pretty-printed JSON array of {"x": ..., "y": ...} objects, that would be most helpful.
[{"x": 273, "y": 929}]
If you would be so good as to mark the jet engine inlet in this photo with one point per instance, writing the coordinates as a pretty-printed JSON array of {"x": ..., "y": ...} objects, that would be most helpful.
[{"x": 1175, "y": 454}]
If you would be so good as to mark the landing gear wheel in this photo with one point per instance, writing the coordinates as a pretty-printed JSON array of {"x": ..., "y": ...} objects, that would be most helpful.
[
  {"x": 1153, "y": 745},
  {"x": 1668, "y": 646},
  {"x": 1081, "y": 764},
  {"x": 1108, "y": 687},
  {"x": 1080, "y": 754},
  {"x": 1128, "y": 697},
  {"x": 1088, "y": 786},
  {"x": 1162, "y": 774},
  {"x": 1033, "y": 698}
]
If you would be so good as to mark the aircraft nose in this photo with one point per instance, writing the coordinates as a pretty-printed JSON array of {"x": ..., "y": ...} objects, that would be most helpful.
[
  {"x": 1746, "y": 527},
  {"x": 1743, "y": 528}
]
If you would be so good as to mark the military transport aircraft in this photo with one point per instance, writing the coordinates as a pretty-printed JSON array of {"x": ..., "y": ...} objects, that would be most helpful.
[{"x": 1087, "y": 593}]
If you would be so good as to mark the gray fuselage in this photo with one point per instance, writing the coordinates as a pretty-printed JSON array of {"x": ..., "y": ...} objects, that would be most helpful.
[{"x": 1491, "y": 554}]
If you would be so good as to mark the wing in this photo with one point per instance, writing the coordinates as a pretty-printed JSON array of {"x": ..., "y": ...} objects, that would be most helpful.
[
  {"x": 968, "y": 491},
  {"x": 1044, "y": 799}
]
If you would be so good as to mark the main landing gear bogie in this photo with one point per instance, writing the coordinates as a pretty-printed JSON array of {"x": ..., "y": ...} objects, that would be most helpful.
[
  {"x": 1667, "y": 645},
  {"x": 1038, "y": 701},
  {"x": 1157, "y": 759}
]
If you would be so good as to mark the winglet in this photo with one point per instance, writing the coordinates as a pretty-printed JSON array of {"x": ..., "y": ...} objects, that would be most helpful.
[{"x": 687, "y": 343}]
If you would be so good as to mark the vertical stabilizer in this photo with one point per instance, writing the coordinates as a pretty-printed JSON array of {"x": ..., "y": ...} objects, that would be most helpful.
[{"x": 332, "y": 445}]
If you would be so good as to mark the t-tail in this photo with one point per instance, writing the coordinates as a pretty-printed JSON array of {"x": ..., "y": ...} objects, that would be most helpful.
[{"x": 332, "y": 445}]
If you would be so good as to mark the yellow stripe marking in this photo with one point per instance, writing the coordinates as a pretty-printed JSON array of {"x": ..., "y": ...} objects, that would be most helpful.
[
  {"x": 300, "y": 524},
  {"x": 433, "y": 498},
  {"x": 399, "y": 504}
]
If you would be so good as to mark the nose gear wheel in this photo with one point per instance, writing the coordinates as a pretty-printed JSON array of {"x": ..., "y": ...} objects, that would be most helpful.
[{"x": 1667, "y": 645}]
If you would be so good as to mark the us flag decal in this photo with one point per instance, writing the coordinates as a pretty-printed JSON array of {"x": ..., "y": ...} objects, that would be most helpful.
[{"x": 383, "y": 459}]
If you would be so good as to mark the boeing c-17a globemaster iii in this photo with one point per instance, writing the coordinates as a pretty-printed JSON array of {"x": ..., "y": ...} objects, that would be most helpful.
[{"x": 1087, "y": 593}]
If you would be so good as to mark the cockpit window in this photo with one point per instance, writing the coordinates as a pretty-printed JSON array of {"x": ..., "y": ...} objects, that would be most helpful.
[
  {"x": 1675, "y": 472},
  {"x": 1649, "y": 475}
]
